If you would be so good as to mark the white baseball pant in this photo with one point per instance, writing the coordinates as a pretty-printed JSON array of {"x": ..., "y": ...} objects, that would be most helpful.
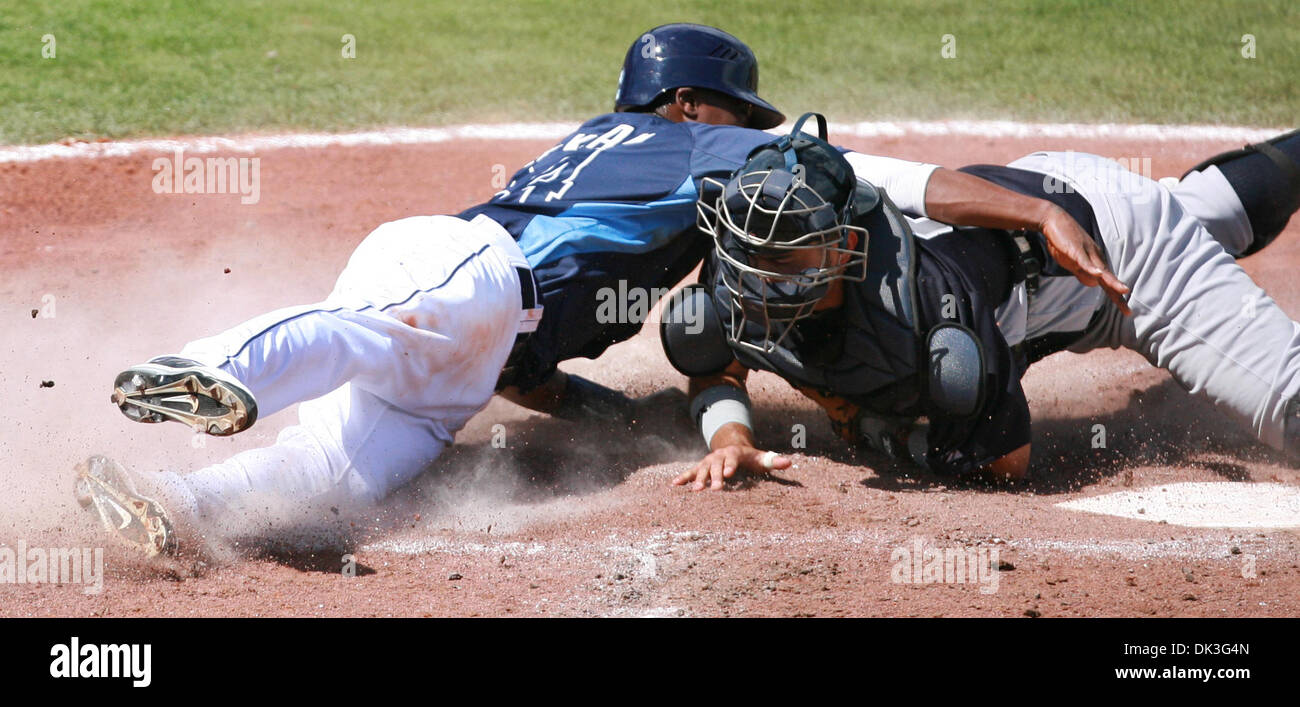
[{"x": 403, "y": 352}]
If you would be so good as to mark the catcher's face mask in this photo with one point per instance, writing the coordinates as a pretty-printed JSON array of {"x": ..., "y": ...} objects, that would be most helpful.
[{"x": 779, "y": 245}]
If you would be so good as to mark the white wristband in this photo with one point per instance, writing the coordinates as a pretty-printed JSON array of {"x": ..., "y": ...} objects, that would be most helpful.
[{"x": 718, "y": 406}]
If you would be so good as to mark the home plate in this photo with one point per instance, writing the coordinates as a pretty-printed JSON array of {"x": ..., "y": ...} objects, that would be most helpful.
[{"x": 1202, "y": 505}]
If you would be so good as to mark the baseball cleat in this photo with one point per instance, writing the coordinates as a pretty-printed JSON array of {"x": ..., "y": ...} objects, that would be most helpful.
[
  {"x": 136, "y": 520},
  {"x": 174, "y": 388}
]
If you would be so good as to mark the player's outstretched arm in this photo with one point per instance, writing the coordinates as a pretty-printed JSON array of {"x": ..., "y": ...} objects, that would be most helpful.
[
  {"x": 721, "y": 407},
  {"x": 965, "y": 200},
  {"x": 960, "y": 199}
]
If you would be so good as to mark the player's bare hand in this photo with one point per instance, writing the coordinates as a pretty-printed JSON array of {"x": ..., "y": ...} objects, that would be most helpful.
[
  {"x": 1076, "y": 251},
  {"x": 714, "y": 470}
]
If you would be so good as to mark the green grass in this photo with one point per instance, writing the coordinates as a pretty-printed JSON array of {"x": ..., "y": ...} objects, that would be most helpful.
[{"x": 133, "y": 67}]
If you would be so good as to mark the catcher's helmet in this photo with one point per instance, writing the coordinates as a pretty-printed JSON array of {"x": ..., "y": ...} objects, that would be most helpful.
[
  {"x": 677, "y": 55},
  {"x": 793, "y": 197}
]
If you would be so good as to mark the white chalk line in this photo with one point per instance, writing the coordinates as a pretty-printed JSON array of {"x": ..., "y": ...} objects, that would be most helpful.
[
  {"x": 1208, "y": 544},
  {"x": 555, "y": 131}
]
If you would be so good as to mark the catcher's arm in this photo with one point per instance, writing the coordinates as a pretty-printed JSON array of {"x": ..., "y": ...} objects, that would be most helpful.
[
  {"x": 961, "y": 199},
  {"x": 965, "y": 200},
  {"x": 721, "y": 407}
]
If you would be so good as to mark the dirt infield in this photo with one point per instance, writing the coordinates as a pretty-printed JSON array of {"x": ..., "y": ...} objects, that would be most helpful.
[{"x": 101, "y": 272}]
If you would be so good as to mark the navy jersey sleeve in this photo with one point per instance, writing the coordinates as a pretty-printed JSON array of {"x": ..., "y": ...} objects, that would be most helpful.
[
  {"x": 721, "y": 149},
  {"x": 962, "y": 277},
  {"x": 609, "y": 209}
]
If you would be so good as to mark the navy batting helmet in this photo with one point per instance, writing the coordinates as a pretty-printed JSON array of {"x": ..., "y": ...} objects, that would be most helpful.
[{"x": 677, "y": 55}]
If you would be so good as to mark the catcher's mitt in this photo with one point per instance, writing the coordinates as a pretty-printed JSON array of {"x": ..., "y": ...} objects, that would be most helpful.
[{"x": 852, "y": 424}]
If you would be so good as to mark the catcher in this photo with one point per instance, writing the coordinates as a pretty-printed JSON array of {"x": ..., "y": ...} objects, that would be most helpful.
[{"x": 914, "y": 335}]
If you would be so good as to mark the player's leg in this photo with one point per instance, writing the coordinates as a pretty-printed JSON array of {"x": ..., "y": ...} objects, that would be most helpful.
[
  {"x": 1245, "y": 197},
  {"x": 349, "y": 450},
  {"x": 383, "y": 326},
  {"x": 1207, "y": 195},
  {"x": 413, "y": 339},
  {"x": 396, "y": 412},
  {"x": 1196, "y": 313}
]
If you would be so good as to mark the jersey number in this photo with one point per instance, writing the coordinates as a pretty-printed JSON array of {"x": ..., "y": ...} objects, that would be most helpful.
[{"x": 565, "y": 171}]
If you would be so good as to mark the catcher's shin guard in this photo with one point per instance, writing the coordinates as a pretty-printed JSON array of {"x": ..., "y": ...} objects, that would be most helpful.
[
  {"x": 1266, "y": 178},
  {"x": 1267, "y": 148}
]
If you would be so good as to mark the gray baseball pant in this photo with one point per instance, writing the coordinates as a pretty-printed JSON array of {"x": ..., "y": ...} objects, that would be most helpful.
[{"x": 1196, "y": 313}]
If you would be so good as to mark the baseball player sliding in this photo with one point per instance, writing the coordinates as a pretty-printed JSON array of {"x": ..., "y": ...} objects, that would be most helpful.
[
  {"x": 914, "y": 335},
  {"x": 434, "y": 313}
]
